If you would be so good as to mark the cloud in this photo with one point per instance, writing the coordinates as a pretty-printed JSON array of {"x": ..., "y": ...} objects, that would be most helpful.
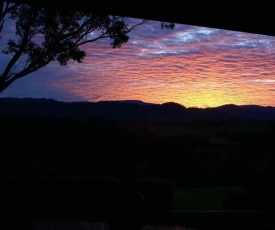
[{"x": 191, "y": 65}]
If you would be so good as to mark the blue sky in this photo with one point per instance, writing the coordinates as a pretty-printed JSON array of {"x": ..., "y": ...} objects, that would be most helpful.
[{"x": 193, "y": 66}]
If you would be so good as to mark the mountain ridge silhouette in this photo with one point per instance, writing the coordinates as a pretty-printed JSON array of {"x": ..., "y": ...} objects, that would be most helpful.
[{"x": 131, "y": 110}]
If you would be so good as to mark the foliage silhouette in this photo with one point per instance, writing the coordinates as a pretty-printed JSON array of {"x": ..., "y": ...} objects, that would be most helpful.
[{"x": 44, "y": 35}]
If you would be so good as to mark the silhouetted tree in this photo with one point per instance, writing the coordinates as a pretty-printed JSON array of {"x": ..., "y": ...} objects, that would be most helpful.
[{"x": 44, "y": 35}]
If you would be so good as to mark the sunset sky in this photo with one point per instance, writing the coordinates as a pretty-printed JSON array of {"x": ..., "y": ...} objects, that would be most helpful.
[{"x": 193, "y": 66}]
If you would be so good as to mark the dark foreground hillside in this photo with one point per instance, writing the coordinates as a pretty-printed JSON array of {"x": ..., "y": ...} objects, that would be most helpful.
[
  {"x": 131, "y": 110},
  {"x": 188, "y": 154}
]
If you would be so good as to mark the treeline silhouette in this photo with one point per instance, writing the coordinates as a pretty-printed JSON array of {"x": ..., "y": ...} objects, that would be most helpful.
[{"x": 64, "y": 152}]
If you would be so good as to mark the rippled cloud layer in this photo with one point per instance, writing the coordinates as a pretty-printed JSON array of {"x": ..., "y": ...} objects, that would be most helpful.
[{"x": 193, "y": 66}]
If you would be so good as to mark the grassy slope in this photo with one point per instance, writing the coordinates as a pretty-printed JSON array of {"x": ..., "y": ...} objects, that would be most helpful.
[{"x": 201, "y": 198}]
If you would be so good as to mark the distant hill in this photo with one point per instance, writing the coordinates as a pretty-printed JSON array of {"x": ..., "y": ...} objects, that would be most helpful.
[{"x": 131, "y": 110}]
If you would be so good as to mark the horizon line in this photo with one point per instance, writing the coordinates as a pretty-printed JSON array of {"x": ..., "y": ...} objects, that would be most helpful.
[{"x": 134, "y": 101}]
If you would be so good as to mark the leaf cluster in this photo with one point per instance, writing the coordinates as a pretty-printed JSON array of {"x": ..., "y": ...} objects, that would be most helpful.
[{"x": 43, "y": 35}]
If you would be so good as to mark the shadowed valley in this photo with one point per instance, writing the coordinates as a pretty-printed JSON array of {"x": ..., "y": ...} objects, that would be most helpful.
[{"x": 201, "y": 164}]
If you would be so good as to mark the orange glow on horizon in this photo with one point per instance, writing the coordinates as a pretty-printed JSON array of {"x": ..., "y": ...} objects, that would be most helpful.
[
  {"x": 192, "y": 66},
  {"x": 194, "y": 80}
]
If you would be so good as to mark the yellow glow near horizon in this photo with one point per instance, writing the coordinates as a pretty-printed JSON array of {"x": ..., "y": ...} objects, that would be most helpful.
[{"x": 192, "y": 66}]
